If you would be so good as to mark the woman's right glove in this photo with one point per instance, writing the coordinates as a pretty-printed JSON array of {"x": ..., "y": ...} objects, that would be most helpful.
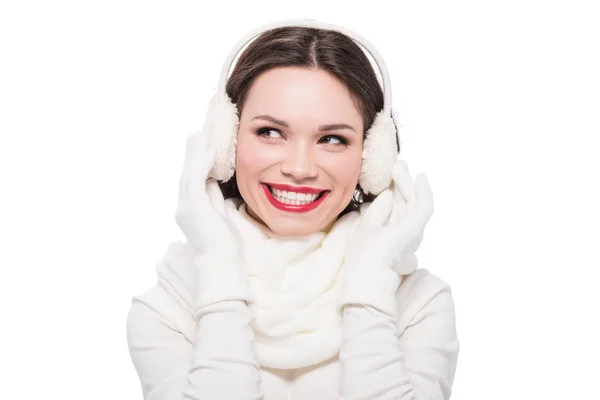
[
  {"x": 382, "y": 248},
  {"x": 203, "y": 218}
]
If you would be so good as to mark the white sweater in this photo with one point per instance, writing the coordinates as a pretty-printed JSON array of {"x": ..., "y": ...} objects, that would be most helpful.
[{"x": 411, "y": 357}]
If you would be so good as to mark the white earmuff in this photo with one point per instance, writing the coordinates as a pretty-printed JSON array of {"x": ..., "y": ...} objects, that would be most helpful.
[
  {"x": 379, "y": 149},
  {"x": 220, "y": 130}
]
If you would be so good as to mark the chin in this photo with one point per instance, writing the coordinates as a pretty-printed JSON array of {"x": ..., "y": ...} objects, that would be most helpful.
[
  {"x": 293, "y": 228},
  {"x": 295, "y": 220}
]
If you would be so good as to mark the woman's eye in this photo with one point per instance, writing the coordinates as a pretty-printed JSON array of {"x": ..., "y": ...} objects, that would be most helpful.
[
  {"x": 335, "y": 140},
  {"x": 269, "y": 133}
]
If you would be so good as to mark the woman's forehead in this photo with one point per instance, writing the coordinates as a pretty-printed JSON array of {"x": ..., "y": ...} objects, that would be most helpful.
[{"x": 300, "y": 94}]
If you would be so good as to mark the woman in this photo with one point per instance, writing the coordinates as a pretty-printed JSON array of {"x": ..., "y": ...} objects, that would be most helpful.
[{"x": 294, "y": 283}]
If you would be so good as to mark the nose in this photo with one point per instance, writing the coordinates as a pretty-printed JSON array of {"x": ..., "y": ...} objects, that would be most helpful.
[{"x": 299, "y": 162}]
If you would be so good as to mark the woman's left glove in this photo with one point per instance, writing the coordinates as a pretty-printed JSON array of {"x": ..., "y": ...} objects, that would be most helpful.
[
  {"x": 203, "y": 218},
  {"x": 382, "y": 248}
]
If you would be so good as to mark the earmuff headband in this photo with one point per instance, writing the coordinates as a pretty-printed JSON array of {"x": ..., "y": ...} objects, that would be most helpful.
[
  {"x": 379, "y": 147},
  {"x": 308, "y": 23}
]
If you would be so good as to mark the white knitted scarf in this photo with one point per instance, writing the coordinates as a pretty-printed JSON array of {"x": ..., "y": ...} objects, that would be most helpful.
[{"x": 295, "y": 283}]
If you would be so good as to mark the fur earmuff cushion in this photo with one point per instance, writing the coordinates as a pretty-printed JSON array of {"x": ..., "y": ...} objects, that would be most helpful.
[
  {"x": 220, "y": 130},
  {"x": 379, "y": 155}
]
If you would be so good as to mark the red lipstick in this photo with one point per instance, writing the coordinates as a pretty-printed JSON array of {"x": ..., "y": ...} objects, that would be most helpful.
[{"x": 291, "y": 207}]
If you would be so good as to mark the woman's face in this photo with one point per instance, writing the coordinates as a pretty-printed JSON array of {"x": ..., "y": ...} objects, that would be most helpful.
[{"x": 299, "y": 150}]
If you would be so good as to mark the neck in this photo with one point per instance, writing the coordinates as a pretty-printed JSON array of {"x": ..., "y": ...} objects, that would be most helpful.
[{"x": 251, "y": 216}]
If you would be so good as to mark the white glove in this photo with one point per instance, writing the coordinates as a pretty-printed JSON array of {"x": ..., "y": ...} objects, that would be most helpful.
[
  {"x": 203, "y": 218},
  {"x": 382, "y": 247}
]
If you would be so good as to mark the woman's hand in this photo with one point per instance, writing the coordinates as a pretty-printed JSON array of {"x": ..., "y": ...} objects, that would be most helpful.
[
  {"x": 203, "y": 218},
  {"x": 393, "y": 225},
  {"x": 201, "y": 212},
  {"x": 383, "y": 246}
]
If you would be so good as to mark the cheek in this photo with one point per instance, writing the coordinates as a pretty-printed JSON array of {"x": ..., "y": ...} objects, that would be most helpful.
[
  {"x": 351, "y": 172},
  {"x": 344, "y": 168},
  {"x": 252, "y": 153},
  {"x": 252, "y": 156},
  {"x": 244, "y": 151}
]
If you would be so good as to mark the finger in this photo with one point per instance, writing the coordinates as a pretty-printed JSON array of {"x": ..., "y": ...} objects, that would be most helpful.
[
  {"x": 187, "y": 167},
  {"x": 191, "y": 164},
  {"x": 413, "y": 226},
  {"x": 201, "y": 162},
  {"x": 424, "y": 195},
  {"x": 207, "y": 160},
  {"x": 399, "y": 207},
  {"x": 201, "y": 157},
  {"x": 403, "y": 182},
  {"x": 379, "y": 210}
]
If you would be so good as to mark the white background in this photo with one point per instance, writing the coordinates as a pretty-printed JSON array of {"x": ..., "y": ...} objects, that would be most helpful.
[{"x": 499, "y": 104}]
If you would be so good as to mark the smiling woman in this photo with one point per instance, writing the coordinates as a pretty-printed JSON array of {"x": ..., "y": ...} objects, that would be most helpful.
[
  {"x": 316, "y": 89},
  {"x": 299, "y": 278},
  {"x": 318, "y": 129}
]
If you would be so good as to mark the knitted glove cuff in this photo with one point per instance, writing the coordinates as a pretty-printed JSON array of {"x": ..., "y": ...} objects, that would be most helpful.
[{"x": 220, "y": 279}]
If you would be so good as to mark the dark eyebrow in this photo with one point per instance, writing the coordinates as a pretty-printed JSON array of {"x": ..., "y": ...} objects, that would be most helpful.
[{"x": 322, "y": 128}]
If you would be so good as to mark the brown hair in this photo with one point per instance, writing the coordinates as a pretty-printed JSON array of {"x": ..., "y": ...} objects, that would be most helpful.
[{"x": 311, "y": 48}]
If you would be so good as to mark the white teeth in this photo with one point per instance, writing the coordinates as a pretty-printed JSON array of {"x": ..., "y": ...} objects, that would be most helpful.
[{"x": 293, "y": 198}]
